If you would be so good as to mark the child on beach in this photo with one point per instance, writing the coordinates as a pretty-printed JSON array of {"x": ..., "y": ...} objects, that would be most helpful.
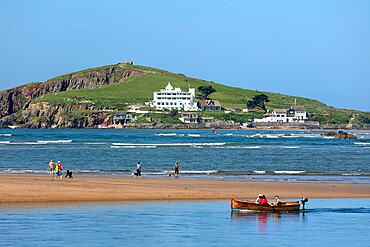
[
  {"x": 58, "y": 170},
  {"x": 51, "y": 168}
]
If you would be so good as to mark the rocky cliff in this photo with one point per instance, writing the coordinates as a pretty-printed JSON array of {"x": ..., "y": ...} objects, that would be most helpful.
[{"x": 16, "y": 107}]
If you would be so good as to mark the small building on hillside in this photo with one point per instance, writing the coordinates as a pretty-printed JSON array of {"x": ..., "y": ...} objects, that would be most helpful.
[
  {"x": 208, "y": 120},
  {"x": 189, "y": 117},
  {"x": 174, "y": 98},
  {"x": 123, "y": 118},
  {"x": 209, "y": 105},
  {"x": 298, "y": 112},
  {"x": 293, "y": 114}
]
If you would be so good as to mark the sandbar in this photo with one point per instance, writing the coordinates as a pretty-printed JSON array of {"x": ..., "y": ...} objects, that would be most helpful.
[{"x": 19, "y": 189}]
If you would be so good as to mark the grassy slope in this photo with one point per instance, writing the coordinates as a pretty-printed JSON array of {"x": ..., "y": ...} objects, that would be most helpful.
[{"x": 140, "y": 89}]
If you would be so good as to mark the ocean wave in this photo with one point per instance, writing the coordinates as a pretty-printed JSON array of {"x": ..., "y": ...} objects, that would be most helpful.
[
  {"x": 206, "y": 172},
  {"x": 95, "y": 143},
  {"x": 228, "y": 134},
  {"x": 264, "y": 135},
  {"x": 289, "y": 172},
  {"x": 355, "y": 174},
  {"x": 16, "y": 171},
  {"x": 166, "y": 134},
  {"x": 361, "y": 143},
  {"x": 142, "y": 146},
  {"x": 28, "y": 171},
  {"x": 194, "y": 135},
  {"x": 4, "y": 142},
  {"x": 6, "y": 134},
  {"x": 170, "y": 144},
  {"x": 57, "y": 141},
  {"x": 258, "y": 147},
  {"x": 260, "y": 172},
  {"x": 37, "y": 142}
]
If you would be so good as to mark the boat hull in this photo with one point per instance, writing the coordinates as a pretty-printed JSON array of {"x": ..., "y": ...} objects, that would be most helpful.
[{"x": 249, "y": 205}]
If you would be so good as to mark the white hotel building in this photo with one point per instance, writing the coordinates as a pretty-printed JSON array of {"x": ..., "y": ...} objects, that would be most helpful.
[{"x": 173, "y": 98}]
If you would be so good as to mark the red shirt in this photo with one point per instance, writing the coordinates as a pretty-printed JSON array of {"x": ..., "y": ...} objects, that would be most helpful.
[{"x": 263, "y": 201}]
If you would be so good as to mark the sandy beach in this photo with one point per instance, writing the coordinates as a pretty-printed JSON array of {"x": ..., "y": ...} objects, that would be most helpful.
[{"x": 16, "y": 189}]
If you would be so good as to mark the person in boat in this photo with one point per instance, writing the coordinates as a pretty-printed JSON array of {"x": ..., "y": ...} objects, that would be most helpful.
[
  {"x": 51, "y": 168},
  {"x": 277, "y": 201},
  {"x": 176, "y": 168},
  {"x": 263, "y": 200},
  {"x": 259, "y": 198}
]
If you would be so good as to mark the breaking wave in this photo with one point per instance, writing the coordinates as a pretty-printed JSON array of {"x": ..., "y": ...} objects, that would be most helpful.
[
  {"x": 166, "y": 134},
  {"x": 170, "y": 144},
  {"x": 289, "y": 172},
  {"x": 6, "y": 134},
  {"x": 136, "y": 146}
]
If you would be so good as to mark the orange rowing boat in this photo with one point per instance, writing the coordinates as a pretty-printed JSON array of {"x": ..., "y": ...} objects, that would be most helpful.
[{"x": 250, "y": 205}]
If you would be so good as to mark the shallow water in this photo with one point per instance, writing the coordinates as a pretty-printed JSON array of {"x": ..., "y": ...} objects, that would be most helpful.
[
  {"x": 232, "y": 155},
  {"x": 329, "y": 222}
]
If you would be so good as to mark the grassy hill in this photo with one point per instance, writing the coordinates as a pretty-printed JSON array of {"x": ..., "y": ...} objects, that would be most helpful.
[{"x": 139, "y": 89}]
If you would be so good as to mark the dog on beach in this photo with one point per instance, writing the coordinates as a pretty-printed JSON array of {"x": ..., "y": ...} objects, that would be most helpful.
[{"x": 69, "y": 174}]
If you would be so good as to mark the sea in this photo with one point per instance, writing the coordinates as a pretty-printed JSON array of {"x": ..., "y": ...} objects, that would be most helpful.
[
  {"x": 230, "y": 155},
  {"x": 240, "y": 155},
  {"x": 326, "y": 222}
]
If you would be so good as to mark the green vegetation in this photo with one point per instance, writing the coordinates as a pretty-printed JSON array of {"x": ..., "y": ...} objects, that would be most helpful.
[
  {"x": 258, "y": 101},
  {"x": 140, "y": 89},
  {"x": 206, "y": 91},
  {"x": 236, "y": 117},
  {"x": 164, "y": 118}
]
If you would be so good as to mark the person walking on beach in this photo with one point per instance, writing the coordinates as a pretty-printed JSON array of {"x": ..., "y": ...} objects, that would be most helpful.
[
  {"x": 138, "y": 170},
  {"x": 58, "y": 170},
  {"x": 51, "y": 168},
  {"x": 176, "y": 169}
]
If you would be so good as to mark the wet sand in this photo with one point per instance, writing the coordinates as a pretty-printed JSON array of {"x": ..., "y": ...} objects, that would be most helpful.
[{"x": 16, "y": 189}]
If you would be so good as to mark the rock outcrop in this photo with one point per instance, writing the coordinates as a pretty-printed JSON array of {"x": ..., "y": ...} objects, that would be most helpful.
[
  {"x": 344, "y": 135},
  {"x": 16, "y": 107},
  {"x": 330, "y": 133}
]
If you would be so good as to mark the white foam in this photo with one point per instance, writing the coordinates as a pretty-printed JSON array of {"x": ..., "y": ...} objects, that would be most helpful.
[
  {"x": 353, "y": 174},
  {"x": 27, "y": 143},
  {"x": 170, "y": 144},
  {"x": 57, "y": 141},
  {"x": 228, "y": 134},
  {"x": 95, "y": 143},
  {"x": 289, "y": 172},
  {"x": 133, "y": 146},
  {"x": 361, "y": 143},
  {"x": 4, "y": 142},
  {"x": 260, "y": 172},
  {"x": 14, "y": 171},
  {"x": 165, "y": 134},
  {"x": 289, "y": 147},
  {"x": 6, "y": 134},
  {"x": 271, "y": 136},
  {"x": 194, "y": 135},
  {"x": 199, "y": 172}
]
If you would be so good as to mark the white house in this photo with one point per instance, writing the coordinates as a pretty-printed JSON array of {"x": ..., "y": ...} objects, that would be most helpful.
[
  {"x": 293, "y": 114},
  {"x": 173, "y": 98}
]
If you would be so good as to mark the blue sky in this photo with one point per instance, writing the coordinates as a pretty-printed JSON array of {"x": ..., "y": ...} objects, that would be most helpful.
[{"x": 314, "y": 49}]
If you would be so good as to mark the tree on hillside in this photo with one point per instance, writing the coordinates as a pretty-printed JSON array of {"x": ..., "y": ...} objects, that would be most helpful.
[
  {"x": 258, "y": 101},
  {"x": 206, "y": 91}
]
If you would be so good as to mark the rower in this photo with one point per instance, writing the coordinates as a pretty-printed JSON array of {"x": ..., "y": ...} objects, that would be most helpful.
[{"x": 303, "y": 202}]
